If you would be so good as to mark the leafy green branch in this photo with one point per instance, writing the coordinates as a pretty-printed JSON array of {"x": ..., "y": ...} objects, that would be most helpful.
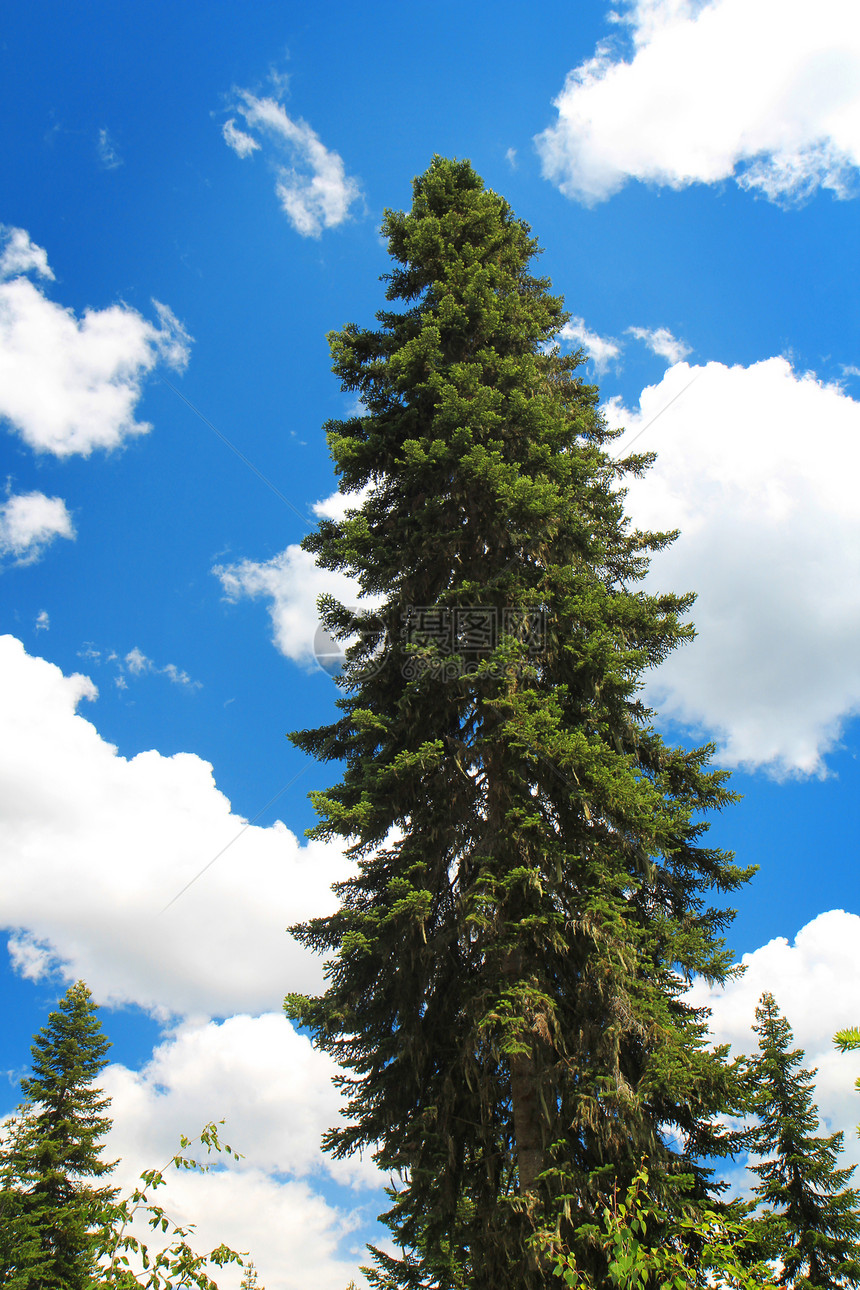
[
  {"x": 177, "y": 1264},
  {"x": 701, "y": 1248}
]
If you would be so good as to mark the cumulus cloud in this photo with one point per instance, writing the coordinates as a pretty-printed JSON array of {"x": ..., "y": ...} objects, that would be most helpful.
[
  {"x": 816, "y": 983},
  {"x": 314, "y": 188},
  {"x": 770, "y": 541},
  {"x": 69, "y": 385},
  {"x": 601, "y": 350},
  {"x": 29, "y": 522},
  {"x": 713, "y": 91},
  {"x": 273, "y": 1088},
  {"x": 20, "y": 255},
  {"x": 661, "y": 342},
  {"x": 275, "y": 1093},
  {"x": 96, "y": 845}
]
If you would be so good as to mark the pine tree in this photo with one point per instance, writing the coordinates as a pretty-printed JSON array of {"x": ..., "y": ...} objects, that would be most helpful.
[
  {"x": 52, "y": 1149},
  {"x": 817, "y": 1215},
  {"x": 508, "y": 964}
]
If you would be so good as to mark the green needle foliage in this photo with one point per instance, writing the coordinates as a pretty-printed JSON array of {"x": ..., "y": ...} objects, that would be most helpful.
[
  {"x": 848, "y": 1041},
  {"x": 507, "y": 966},
  {"x": 815, "y": 1216},
  {"x": 48, "y": 1207}
]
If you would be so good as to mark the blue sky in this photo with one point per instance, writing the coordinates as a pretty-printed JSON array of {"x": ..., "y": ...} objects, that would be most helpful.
[{"x": 191, "y": 200}]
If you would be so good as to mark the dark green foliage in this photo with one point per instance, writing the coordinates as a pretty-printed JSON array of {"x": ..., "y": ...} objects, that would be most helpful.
[
  {"x": 50, "y": 1151},
  {"x": 507, "y": 966},
  {"x": 815, "y": 1217}
]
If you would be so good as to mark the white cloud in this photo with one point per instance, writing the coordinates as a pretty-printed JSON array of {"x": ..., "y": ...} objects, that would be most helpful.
[
  {"x": 67, "y": 384},
  {"x": 336, "y": 505},
  {"x": 314, "y": 190},
  {"x": 733, "y": 88},
  {"x": 96, "y": 845},
  {"x": 107, "y": 150},
  {"x": 242, "y": 144},
  {"x": 661, "y": 342},
  {"x": 43, "y": 622},
  {"x": 770, "y": 541},
  {"x": 275, "y": 1093},
  {"x": 601, "y": 350},
  {"x": 20, "y": 255},
  {"x": 292, "y": 582},
  {"x": 269, "y": 1083},
  {"x": 511, "y": 158},
  {"x": 29, "y": 522},
  {"x": 816, "y": 983}
]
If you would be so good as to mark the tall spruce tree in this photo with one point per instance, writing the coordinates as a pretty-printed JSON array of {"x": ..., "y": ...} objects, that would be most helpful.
[
  {"x": 817, "y": 1216},
  {"x": 507, "y": 966},
  {"x": 51, "y": 1151}
]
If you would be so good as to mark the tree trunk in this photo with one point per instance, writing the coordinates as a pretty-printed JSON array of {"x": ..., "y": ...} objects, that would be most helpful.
[{"x": 527, "y": 1127}]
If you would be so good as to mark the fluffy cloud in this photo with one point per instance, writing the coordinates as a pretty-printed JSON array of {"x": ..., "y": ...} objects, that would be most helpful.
[
  {"x": 816, "y": 983},
  {"x": 67, "y": 384},
  {"x": 661, "y": 342},
  {"x": 770, "y": 541},
  {"x": 729, "y": 88},
  {"x": 314, "y": 189},
  {"x": 98, "y": 845},
  {"x": 28, "y": 522},
  {"x": 601, "y": 350},
  {"x": 20, "y": 255},
  {"x": 275, "y": 1093},
  {"x": 292, "y": 582},
  {"x": 272, "y": 1087}
]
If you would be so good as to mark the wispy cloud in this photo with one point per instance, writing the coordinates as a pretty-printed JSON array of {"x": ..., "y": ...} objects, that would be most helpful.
[
  {"x": 107, "y": 150},
  {"x": 661, "y": 342},
  {"x": 136, "y": 663},
  {"x": 314, "y": 188},
  {"x": 242, "y": 144},
  {"x": 602, "y": 350},
  {"x": 714, "y": 91}
]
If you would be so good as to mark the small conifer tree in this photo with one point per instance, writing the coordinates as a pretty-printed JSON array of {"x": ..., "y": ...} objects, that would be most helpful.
[
  {"x": 814, "y": 1214},
  {"x": 51, "y": 1154}
]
